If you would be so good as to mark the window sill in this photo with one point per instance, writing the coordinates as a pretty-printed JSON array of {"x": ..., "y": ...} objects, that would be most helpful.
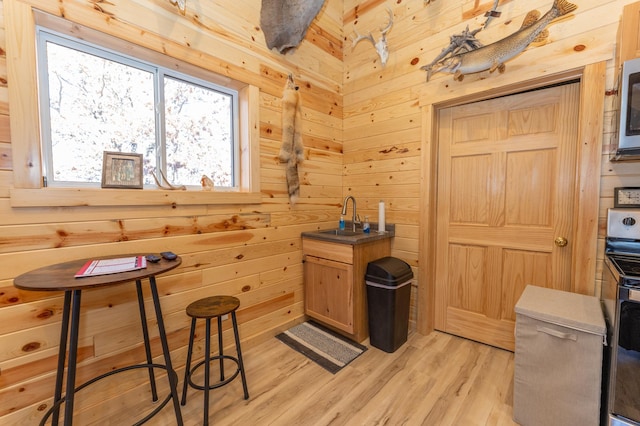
[{"x": 95, "y": 197}]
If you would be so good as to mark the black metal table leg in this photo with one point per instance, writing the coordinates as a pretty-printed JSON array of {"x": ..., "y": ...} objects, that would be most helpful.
[
  {"x": 73, "y": 358},
  {"x": 173, "y": 378},
  {"x": 62, "y": 356},
  {"x": 145, "y": 334}
]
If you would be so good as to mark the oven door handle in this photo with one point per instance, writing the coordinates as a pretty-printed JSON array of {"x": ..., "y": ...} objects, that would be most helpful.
[
  {"x": 626, "y": 294},
  {"x": 558, "y": 334}
]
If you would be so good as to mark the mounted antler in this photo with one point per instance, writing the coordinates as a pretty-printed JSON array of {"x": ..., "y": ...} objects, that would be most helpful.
[
  {"x": 359, "y": 37},
  {"x": 182, "y": 5},
  {"x": 381, "y": 44}
]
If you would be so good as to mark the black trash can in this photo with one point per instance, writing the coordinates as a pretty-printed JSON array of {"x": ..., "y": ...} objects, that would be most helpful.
[{"x": 388, "y": 294}]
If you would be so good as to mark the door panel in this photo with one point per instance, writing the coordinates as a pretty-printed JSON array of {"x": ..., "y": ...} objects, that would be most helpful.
[
  {"x": 506, "y": 171},
  {"x": 521, "y": 268},
  {"x": 535, "y": 120},
  {"x": 470, "y": 201},
  {"x": 467, "y": 278},
  {"x": 530, "y": 176}
]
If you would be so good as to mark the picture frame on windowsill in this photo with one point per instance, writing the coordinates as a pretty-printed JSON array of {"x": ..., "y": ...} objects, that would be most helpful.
[{"x": 122, "y": 170}]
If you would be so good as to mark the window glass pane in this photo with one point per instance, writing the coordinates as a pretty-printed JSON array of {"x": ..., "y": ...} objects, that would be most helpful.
[
  {"x": 97, "y": 105},
  {"x": 199, "y": 133},
  {"x": 97, "y": 100}
]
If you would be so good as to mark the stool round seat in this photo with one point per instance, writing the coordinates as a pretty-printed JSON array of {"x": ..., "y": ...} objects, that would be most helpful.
[
  {"x": 208, "y": 308},
  {"x": 214, "y": 306}
]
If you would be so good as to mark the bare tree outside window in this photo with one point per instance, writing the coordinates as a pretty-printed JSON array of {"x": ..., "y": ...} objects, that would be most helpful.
[
  {"x": 96, "y": 105},
  {"x": 99, "y": 101},
  {"x": 194, "y": 117}
]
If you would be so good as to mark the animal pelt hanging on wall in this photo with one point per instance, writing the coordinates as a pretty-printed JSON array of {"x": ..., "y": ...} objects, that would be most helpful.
[
  {"x": 285, "y": 22},
  {"x": 292, "y": 149}
]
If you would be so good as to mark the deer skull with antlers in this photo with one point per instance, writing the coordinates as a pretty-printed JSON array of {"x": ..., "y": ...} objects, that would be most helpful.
[{"x": 381, "y": 44}]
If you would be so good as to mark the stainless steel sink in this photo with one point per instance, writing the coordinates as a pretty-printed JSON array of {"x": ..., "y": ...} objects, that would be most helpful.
[
  {"x": 346, "y": 236},
  {"x": 340, "y": 232}
]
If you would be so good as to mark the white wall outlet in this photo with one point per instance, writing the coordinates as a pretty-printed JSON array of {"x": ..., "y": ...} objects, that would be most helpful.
[{"x": 225, "y": 317}]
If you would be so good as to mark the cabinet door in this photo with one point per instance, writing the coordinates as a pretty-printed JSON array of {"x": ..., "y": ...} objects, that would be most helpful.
[{"x": 329, "y": 292}]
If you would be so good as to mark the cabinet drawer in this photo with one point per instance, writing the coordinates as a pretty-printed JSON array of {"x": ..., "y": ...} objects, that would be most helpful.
[{"x": 333, "y": 251}]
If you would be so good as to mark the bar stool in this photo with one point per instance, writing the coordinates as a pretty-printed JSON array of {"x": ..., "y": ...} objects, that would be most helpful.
[{"x": 208, "y": 308}]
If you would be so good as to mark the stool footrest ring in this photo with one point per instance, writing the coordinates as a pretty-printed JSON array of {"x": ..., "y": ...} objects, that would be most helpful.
[{"x": 218, "y": 383}]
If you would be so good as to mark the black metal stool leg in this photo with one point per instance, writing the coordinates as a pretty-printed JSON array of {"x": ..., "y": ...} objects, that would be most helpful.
[
  {"x": 239, "y": 352},
  {"x": 207, "y": 360},
  {"x": 145, "y": 335},
  {"x": 207, "y": 309},
  {"x": 187, "y": 370},
  {"x": 220, "y": 349}
]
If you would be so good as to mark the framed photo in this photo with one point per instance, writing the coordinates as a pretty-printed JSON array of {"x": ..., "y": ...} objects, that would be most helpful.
[{"x": 122, "y": 170}]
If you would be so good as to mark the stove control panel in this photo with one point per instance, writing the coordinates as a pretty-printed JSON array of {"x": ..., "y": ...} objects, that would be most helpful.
[{"x": 623, "y": 223}]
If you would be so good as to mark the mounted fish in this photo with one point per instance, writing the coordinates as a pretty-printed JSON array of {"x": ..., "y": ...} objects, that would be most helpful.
[
  {"x": 493, "y": 56},
  {"x": 292, "y": 149},
  {"x": 381, "y": 44},
  {"x": 285, "y": 22},
  {"x": 463, "y": 42}
]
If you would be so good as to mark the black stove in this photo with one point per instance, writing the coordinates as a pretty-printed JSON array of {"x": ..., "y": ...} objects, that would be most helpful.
[
  {"x": 622, "y": 245},
  {"x": 621, "y": 302},
  {"x": 628, "y": 268}
]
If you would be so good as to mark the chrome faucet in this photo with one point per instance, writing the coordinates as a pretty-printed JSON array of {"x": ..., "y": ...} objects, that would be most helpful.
[{"x": 344, "y": 210}]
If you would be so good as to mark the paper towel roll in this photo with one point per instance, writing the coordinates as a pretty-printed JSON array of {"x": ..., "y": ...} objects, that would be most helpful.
[{"x": 381, "y": 219}]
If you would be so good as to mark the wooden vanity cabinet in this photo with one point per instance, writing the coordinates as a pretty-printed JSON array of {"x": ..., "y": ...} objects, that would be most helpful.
[{"x": 334, "y": 283}]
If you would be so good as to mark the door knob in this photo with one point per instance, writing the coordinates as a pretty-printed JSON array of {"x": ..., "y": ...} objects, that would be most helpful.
[{"x": 561, "y": 241}]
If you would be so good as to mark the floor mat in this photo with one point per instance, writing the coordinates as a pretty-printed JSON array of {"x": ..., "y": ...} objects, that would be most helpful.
[{"x": 321, "y": 345}]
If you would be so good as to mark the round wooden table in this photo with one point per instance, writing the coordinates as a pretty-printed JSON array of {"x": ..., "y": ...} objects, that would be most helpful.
[{"x": 60, "y": 277}]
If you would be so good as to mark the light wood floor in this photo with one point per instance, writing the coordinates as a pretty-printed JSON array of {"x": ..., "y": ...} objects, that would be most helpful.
[{"x": 431, "y": 380}]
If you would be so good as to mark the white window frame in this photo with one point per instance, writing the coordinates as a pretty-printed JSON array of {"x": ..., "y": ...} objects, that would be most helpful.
[
  {"x": 28, "y": 191},
  {"x": 159, "y": 73}
]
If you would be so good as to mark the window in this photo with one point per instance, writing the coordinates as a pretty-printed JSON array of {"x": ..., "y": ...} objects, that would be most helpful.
[
  {"x": 27, "y": 125},
  {"x": 93, "y": 99}
]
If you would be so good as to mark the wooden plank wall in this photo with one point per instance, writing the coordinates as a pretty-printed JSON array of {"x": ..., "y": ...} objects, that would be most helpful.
[
  {"x": 382, "y": 123},
  {"x": 250, "y": 251},
  {"x": 363, "y": 135}
]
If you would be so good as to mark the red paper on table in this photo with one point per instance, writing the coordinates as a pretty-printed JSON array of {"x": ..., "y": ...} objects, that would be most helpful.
[{"x": 111, "y": 266}]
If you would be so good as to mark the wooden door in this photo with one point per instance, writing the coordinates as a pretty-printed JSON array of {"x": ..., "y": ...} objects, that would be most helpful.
[{"x": 506, "y": 173}]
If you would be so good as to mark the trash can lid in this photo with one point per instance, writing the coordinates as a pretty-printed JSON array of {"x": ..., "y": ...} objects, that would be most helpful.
[{"x": 389, "y": 271}]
